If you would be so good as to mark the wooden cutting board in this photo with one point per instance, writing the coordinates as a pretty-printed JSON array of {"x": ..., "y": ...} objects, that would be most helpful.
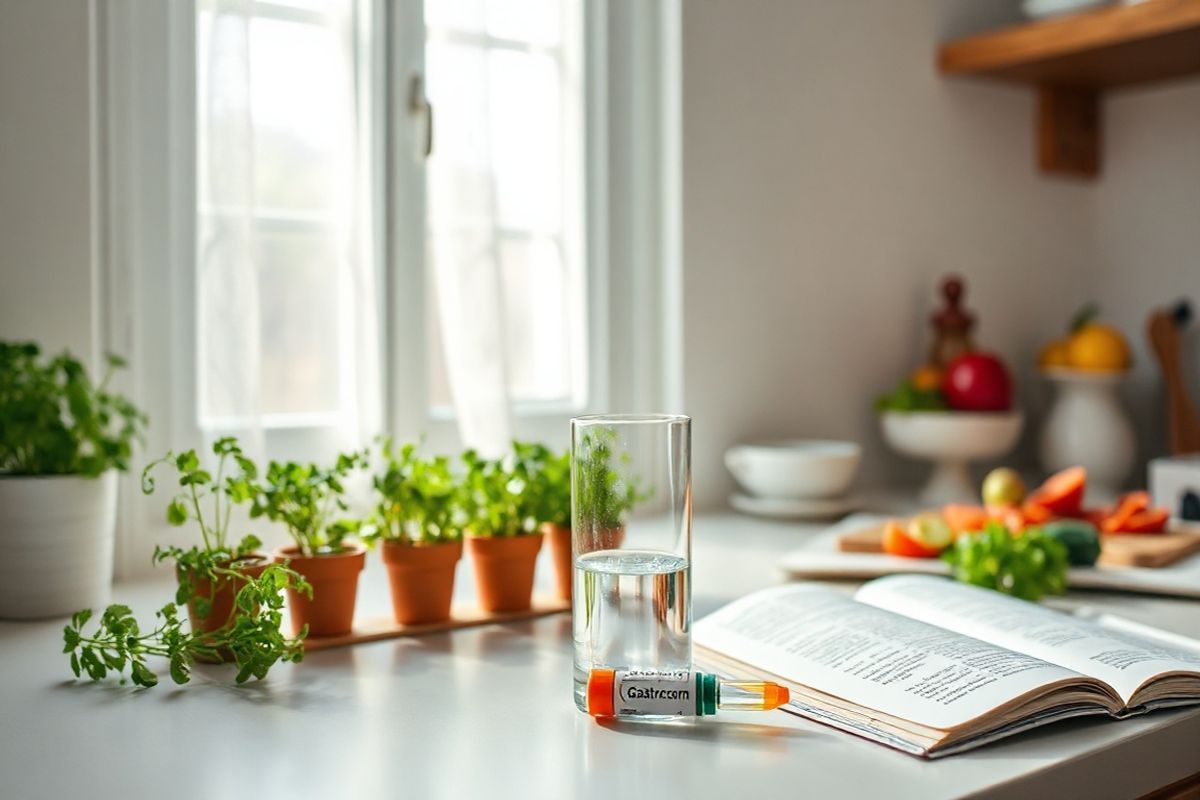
[{"x": 1116, "y": 550}]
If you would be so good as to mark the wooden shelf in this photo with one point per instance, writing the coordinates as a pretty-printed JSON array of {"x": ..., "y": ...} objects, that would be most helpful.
[{"x": 1072, "y": 59}]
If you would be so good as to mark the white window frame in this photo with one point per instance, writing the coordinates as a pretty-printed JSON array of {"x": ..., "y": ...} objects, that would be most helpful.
[{"x": 145, "y": 135}]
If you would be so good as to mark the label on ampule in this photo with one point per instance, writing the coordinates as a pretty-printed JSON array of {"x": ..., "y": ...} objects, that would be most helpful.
[{"x": 669, "y": 693}]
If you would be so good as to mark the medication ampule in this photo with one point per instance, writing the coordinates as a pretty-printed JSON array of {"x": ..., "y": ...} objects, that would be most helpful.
[{"x": 676, "y": 693}]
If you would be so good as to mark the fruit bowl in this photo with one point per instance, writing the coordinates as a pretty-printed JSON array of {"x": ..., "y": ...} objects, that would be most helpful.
[{"x": 951, "y": 440}]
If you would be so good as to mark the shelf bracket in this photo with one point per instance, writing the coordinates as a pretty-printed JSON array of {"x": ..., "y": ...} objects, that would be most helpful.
[{"x": 1069, "y": 130}]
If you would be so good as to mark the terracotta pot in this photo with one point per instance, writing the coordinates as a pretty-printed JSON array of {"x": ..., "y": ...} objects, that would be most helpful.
[
  {"x": 558, "y": 537},
  {"x": 334, "y": 579},
  {"x": 220, "y": 593},
  {"x": 504, "y": 570},
  {"x": 421, "y": 577}
]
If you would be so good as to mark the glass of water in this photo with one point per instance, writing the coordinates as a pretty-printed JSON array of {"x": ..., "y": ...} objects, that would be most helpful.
[{"x": 631, "y": 528}]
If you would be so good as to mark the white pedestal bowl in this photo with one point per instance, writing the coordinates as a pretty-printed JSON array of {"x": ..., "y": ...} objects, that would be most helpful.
[{"x": 951, "y": 440}]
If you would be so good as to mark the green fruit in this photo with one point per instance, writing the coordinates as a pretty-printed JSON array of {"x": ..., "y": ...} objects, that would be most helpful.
[
  {"x": 1079, "y": 537},
  {"x": 1003, "y": 487}
]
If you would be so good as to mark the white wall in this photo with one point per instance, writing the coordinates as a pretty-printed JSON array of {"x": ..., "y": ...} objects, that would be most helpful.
[
  {"x": 830, "y": 178},
  {"x": 49, "y": 290},
  {"x": 1146, "y": 214}
]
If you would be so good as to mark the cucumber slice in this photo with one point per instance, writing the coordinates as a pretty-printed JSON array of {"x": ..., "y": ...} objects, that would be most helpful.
[{"x": 1079, "y": 537}]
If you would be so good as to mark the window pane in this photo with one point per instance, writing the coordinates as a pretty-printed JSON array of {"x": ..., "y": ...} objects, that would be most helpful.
[
  {"x": 299, "y": 76},
  {"x": 537, "y": 336},
  {"x": 504, "y": 81},
  {"x": 534, "y": 21},
  {"x": 298, "y": 299},
  {"x": 277, "y": 172},
  {"x": 527, "y": 140}
]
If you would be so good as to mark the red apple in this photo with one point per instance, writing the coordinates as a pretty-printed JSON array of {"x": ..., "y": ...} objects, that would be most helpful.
[{"x": 977, "y": 381}]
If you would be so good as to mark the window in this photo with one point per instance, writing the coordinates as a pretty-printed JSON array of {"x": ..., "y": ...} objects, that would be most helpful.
[
  {"x": 285, "y": 260},
  {"x": 284, "y": 282},
  {"x": 515, "y": 74}
]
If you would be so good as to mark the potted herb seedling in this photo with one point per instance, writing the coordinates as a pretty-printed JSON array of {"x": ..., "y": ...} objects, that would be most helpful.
[
  {"x": 62, "y": 441},
  {"x": 603, "y": 495},
  {"x": 306, "y": 499},
  {"x": 503, "y": 539},
  {"x": 418, "y": 521},
  {"x": 211, "y": 574},
  {"x": 550, "y": 490}
]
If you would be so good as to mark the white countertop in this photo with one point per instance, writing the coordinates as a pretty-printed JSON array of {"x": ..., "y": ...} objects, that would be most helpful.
[{"x": 487, "y": 712}]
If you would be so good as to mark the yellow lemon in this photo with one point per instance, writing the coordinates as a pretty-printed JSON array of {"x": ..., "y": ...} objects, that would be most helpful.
[
  {"x": 1055, "y": 354},
  {"x": 1098, "y": 346}
]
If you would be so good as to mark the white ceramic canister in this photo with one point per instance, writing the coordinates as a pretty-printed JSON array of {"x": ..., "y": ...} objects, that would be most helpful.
[
  {"x": 1088, "y": 427},
  {"x": 56, "y": 544}
]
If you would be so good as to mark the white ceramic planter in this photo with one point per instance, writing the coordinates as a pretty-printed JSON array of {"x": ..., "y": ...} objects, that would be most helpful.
[
  {"x": 56, "y": 544},
  {"x": 1088, "y": 427}
]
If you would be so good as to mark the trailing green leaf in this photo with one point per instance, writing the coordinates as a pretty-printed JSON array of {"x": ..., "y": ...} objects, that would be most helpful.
[{"x": 253, "y": 636}]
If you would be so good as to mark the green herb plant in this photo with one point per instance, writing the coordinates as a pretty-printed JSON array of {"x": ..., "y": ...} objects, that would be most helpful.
[
  {"x": 907, "y": 397},
  {"x": 1027, "y": 566},
  {"x": 604, "y": 495},
  {"x": 233, "y": 484},
  {"x": 56, "y": 421},
  {"x": 549, "y": 477},
  {"x": 418, "y": 500},
  {"x": 498, "y": 496},
  {"x": 306, "y": 498},
  {"x": 254, "y": 638}
]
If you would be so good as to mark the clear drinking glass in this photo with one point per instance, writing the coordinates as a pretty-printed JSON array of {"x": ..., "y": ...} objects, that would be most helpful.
[{"x": 631, "y": 530}]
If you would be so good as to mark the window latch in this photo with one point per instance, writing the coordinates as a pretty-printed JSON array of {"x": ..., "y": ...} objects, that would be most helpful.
[{"x": 419, "y": 104}]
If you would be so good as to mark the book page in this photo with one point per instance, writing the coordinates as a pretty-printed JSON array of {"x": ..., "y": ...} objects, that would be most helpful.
[
  {"x": 1120, "y": 659},
  {"x": 876, "y": 659}
]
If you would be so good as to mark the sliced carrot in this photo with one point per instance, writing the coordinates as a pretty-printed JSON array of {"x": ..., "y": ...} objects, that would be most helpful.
[
  {"x": 1036, "y": 513},
  {"x": 964, "y": 518},
  {"x": 1010, "y": 517},
  {"x": 1152, "y": 521},
  {"x": 898, "y": 543},
  {"x": 1062, "y": 492},
  {"x": 1127, "y": 506},
  {"x": 1096, "y": 516}
]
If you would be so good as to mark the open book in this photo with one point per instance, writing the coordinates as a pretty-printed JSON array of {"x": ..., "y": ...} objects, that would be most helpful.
[{"x": 933, "y": 667}]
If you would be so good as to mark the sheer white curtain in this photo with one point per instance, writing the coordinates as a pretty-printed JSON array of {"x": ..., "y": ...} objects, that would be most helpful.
[
  {"x": 287, "y": 331},
  {"x": 228, "y": 329},
  {"x": 463, "y": 246}
]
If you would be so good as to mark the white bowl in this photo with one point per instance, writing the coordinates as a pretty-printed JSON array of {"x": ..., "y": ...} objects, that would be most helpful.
[
  {"x": 951, "y": 439},
  {"x": 794, "y": 468}
]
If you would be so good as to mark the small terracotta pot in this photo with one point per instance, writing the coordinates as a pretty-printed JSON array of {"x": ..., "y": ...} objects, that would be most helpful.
[
  {"x": 504, "y": 570},
  {"x": 558, "y": 537},
  {"x": 334, "y": 579},
  {"x": 220, "y": 593},
  {"x": 421, "y": 577}
]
